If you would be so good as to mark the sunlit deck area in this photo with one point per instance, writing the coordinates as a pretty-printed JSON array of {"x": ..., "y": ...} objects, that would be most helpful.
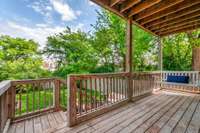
[
  {"x": 125, "y": 101},
  {"x": 160, "y": 112}
]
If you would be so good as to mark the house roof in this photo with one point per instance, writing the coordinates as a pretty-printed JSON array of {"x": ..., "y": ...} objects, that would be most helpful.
[{"x": 159, "y": 17}]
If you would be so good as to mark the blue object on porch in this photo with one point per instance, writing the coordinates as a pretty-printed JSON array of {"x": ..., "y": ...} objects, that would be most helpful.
[{"x": 178, "y": 79}]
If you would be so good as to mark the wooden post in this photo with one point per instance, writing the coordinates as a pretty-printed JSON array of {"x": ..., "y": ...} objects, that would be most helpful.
[
  {"x": 57, "y": 95},
  {"x": 129, "y": 62},
  {"x": 160, "y": 56},
  {"x": 160, "y": 59},
  {"x": 196, "y": 59},
  {"x": 71, "y": 110}
]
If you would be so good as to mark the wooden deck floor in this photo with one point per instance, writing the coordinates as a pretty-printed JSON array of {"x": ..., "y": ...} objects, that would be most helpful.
[{"x": 162, "y": 112}]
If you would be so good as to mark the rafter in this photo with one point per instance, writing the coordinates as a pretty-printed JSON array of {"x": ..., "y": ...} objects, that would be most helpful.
[
  {"x": 181, "y": 6},
  {"x": 179, "y": 15},
  {"x": 114, "y": 2},
  {"x": 105, "y": 4},
  {"x": 181, "y": 30},
  {"x": 142, "y": 6},
  {"x": 187, "y": 26},
  {"x": 175, "y": 23},
  {"x": 157, "y": 8},
  {"x": 178, "y": 26},
  {"x": 128, "y": 4}
]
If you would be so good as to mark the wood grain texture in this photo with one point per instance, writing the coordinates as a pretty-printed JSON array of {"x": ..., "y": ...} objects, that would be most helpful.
[{"x": 161, "y": 112}]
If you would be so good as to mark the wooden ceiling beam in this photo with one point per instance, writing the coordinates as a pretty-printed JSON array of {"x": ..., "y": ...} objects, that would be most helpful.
[
  {"x": 178, "y": 7},
  {"x": 178, "y": 25},
  {"x": 105, "y": 4},
  {"x": 114, "y": 2},
  {"x": 128, "y": 4},
  {"x": 176, "y": 29},
  {"x": 155, "y": 9},
  {"x": 194, "y": 27},
  {"x": 175, "y": 23},
  {"x": 179, "y": 15},
  {"x": 142, "y": 6}
]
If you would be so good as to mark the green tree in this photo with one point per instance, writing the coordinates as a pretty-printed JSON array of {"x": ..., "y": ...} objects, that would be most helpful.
[
  {"x": 73, "y": 52},
  {"x": 19, "y": 59},
  {"x": 110, "y": 40},
  {"x": 177, "y": 54}
]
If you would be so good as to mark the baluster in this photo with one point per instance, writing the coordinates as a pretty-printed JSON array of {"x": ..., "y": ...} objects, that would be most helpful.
[
  {"x": 95, "y": 86},
  {"x": 27, "y": 97},
  {"x": 91, "y": 99},
  {"x": 104, "y": 86},
  {"x": 81, "y": 96},
  {"x": 33, "y": 97},
  {"x": 86, "y": 98},
  {"x": 107, "y": 89},
  {"x": 100, "y": 90}
]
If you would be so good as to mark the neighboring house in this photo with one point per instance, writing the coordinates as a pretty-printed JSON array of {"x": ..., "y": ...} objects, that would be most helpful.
[{"x": 49, "y": 65}]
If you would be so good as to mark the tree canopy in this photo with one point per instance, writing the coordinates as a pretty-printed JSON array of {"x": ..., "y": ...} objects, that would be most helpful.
[
  {"x": 100, "y": 50},
  {"x": 19, "y": 59}
]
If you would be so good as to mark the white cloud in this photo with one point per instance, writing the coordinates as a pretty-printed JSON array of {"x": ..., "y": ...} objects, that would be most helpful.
[
  {"x": 39, "y": 33},
  {"x": 46, "y": 8},
  {"x": 78, "y": 12},
  {"x": 43, "y": 8},
  {"x": 79, "y": 26},
  {"x": 91, "y": 3},
  {"x": 66, "y": 12}
]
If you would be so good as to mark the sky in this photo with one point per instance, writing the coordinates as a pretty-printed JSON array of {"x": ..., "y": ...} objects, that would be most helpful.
[{"x": 38, "y": 19}]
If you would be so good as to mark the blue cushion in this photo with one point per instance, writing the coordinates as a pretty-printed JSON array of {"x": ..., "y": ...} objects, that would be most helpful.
[{"x": 178, "y": 79}]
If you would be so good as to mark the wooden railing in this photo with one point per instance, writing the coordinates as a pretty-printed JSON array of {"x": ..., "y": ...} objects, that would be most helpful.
[
  {"x": 193, "y": 85},
  {"x": 26, "y": 98},
  {"x": 93, "y": 94},
  {"x": 5, "y": 104},
  {"x": 145, "y": 82}
]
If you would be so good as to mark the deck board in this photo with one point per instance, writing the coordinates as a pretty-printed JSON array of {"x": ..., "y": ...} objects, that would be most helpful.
[
  {"x": 148, "y": 123},
  {"x": 164, "y": 112},
  {"x": 155, "y": 128},
  {"x": 176, "y": 117}
]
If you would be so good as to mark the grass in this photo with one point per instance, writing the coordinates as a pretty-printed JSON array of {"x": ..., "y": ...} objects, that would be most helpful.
[{"x": 39, "y": 100}]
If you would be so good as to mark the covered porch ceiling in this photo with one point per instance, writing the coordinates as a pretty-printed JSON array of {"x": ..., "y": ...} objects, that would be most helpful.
[{"x": 159, "y": 17}]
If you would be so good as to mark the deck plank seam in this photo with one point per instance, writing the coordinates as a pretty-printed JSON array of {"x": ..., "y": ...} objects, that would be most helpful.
[
  {"x": 130, "y": 107},
  {"x": 154, "y": 114},
  {"x": 185, "y": 99},
  {"x": 144, "y": 114},
  {"x": 139, "y": 111},
  {"x": 168, "y": 108},
  {"x": 193, "y": 114},
  {"x": 183, "y": 114},
  {"x": 176, "y": 112}
]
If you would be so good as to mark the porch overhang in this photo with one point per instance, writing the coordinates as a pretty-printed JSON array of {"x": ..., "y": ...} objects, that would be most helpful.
[{"x": 159, "y": 17}]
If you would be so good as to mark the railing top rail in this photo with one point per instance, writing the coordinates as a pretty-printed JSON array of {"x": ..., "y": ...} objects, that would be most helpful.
[
  {"x": 4, "y": 86},
  {"x": 112, "y": 74},
  {"x": 94, "y": 74},
  {"x": 180, "y": 71},
  {"x": 29, "y": 81}
]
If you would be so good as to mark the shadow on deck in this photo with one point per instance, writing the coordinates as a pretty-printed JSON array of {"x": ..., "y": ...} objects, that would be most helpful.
[{"x": 160, "y": 112}]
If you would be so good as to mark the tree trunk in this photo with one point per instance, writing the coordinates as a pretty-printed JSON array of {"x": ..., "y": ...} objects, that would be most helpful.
[{"x": 196, "y": 59}]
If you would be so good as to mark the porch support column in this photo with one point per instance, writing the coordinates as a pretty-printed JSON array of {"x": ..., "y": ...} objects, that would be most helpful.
[
  {"x": 160, "y": 56},
  {"x": 129, "y": 54},
  {"x": 160, "y": 59}
]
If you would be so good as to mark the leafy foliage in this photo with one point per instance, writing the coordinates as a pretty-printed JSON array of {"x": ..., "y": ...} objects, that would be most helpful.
[
  {"x": 73, "y": 52},
  {"x": 19, "y": 59},
  {"x": 99, "y": 51}
]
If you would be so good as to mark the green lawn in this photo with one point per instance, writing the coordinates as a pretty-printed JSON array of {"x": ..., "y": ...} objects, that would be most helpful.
[
  {"x": 39, "y": 100},
  {"x": 44, "y": 99}
]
